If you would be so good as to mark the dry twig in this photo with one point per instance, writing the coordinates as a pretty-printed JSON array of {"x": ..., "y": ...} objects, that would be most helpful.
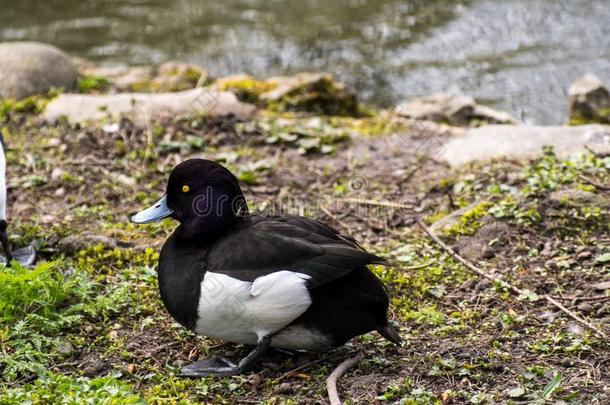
[
  {"x": 331, "y": 381},
  {"x": 505, "y": 284},
  {"x": 593, "y": 183},
  {"x": 378, "y": 203}
]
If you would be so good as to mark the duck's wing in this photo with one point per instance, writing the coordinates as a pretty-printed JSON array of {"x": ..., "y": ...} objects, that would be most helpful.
[{"x": 295, "y": 244}]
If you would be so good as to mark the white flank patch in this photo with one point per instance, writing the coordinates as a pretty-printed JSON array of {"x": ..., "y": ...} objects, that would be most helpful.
[
  {"x": 2, "y": 183},
  {"x": 243, "y": 312}
]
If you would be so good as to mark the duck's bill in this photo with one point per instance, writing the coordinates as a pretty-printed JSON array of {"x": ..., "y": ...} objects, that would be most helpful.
[
  {"x": 25, "y": 256},
  {"x": 155, "y": 213}
]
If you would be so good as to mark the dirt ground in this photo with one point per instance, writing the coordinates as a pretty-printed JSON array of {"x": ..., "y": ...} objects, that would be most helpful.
[{"x": 543, "y": 225}]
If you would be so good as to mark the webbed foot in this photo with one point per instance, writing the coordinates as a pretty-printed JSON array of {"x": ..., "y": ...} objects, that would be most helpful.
[
  {"x": 214, "y": 365},
  {"x": 25, "y": 256},
  {"x": 222, "y": 367}
]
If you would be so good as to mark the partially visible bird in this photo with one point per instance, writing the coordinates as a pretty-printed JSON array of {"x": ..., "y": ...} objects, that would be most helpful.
[{"x": 25, "y": 256}]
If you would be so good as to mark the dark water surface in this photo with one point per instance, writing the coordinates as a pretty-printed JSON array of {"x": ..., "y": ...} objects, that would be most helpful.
[{"x": 517, "y": 55}]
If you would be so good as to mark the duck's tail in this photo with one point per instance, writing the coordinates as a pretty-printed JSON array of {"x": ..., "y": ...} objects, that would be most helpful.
[{"x": 390, "y": 333}]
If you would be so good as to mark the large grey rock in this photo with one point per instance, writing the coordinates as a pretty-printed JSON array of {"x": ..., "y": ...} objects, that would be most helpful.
[
  {"x": 141, "y": 107},
  {"x": 28, "y": 68},
  {"x": 454, "y": 110},
  {"x": 589, "y": 100},
  {"x": 524, "y": 141}
]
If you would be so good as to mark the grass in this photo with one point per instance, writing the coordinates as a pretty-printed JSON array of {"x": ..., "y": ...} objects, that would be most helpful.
[{"x": 87, "y": 324}]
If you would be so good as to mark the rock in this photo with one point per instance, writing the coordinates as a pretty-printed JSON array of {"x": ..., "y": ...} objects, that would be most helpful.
[
  {"x": 74, "y": 243},
  {"x": 93, "y": 367},
  {"x": 604, "y": 285},
  {"x": 480, "y": 246},
  {"x": 141, "y": 107},
  {"x": 589, "y": 101},
  {"x": 169, "y": 76},
  {"x": 524, "y": 142},
  {"x": 575, "y": 197},
  {"x": 28, "y": 68},
  {"x": 453, "y": 110},
  {"x": 176, "y": 76},
  {"x": 314, "y": 92},
  {"x": 65, "y": 348},
  {"x": 124, "y": 78},
  {"x": 582, "y": 256},
  {"x": 284, "y": 389},
  {"x": 255, "y": 380},
  {"x": 551, "y": 264},
  {"x": 245, "y": 87}
]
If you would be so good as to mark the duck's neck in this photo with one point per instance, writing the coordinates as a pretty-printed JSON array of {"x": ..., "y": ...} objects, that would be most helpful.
[{"x": 204, "y": 231}]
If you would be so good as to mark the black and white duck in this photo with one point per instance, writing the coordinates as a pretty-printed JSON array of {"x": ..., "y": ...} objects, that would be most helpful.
[
  {"x": 272, "y": 281},
  {"x": 25, "y": 256}
]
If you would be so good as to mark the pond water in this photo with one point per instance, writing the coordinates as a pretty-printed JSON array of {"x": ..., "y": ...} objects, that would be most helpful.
[{"x": 518, "y": 55}]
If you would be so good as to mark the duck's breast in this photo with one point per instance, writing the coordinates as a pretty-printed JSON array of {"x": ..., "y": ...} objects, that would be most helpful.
[{"x": 242, "y": 311}]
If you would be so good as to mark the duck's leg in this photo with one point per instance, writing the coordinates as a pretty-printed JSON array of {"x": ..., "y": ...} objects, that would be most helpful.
[
  {"x": 222, "y": 367},
  {"x": 4, "y": 240}
]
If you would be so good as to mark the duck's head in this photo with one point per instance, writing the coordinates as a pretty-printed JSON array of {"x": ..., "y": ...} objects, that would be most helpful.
[{"x": 202, "y": 195}]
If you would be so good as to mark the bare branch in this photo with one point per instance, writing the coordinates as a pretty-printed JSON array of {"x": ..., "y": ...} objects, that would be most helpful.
[{"x": 331, "y": 381}]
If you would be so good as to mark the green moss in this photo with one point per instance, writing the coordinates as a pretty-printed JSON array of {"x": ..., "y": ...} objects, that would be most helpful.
[
  {"x": 375, "y": 125},
  {"x": 100, "y": 260},
  {"x": 92, "y": 83},
  {"x": 468, "y": 223},
  {"x": 246, "y": 88},
  {"x": 323, "y": 97},
  {"x": 29, "y": 105},
  {"x": 602, "y": 117}
]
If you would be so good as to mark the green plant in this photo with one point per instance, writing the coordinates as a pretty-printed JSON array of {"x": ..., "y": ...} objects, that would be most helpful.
[
  {"x": 91, "y": 83},
  {"x": 24, "y": 291}
]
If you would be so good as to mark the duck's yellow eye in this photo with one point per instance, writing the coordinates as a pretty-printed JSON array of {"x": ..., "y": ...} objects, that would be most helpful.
[{"x": 186, "y": 189}]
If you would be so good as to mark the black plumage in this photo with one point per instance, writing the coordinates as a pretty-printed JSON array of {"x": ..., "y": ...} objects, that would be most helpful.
[{"x": 216, "y": 234}]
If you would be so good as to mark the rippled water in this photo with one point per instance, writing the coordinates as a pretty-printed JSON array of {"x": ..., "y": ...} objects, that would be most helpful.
[{"x": 518, "y": 55}]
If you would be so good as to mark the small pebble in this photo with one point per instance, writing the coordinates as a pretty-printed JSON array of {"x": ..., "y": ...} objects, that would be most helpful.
[
  {"x": 57, "y": 174},
  {"x": 284, "y": 389},
  {"x": 94, "y": 367},
  {"x": 54, "y": 142},
  {"x": 65, "y": 349},
  {"x": 551, "y": 264},
  {"x": 255, "y": 380},
  {"x": 584, "y": 307}
]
